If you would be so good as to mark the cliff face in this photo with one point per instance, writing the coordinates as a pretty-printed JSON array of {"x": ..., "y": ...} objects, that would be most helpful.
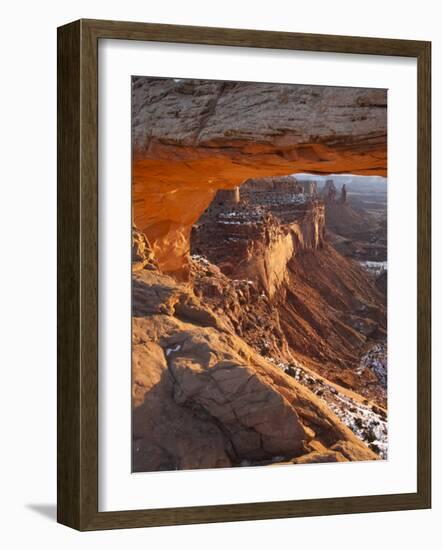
[
  {"x": 203, "y": 398},
  {"x": 303, "y": 298},
  {"x": 248, "y": 325},
  {"x": 253, "y": 231},
  {"x": 191, "y": 138}
]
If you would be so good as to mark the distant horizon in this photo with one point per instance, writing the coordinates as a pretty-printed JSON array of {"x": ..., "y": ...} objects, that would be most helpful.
[{"x": 333, "y": 175}]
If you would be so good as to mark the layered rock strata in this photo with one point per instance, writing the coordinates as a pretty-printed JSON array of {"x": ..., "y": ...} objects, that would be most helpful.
[
  {"x": 253, "y": 231},
  {"x": 193, "y": 137},
  {"x": 236, "y": 364},
  {"x": 202, "y": 398},
  {"x": 300, "y": 297}
]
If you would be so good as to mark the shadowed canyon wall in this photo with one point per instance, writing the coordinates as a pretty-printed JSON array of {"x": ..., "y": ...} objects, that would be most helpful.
[{"x": 191, "y": 138}]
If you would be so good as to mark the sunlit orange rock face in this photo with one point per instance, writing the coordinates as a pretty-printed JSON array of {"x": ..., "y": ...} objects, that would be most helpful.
[{"x": 191, "y": 138}]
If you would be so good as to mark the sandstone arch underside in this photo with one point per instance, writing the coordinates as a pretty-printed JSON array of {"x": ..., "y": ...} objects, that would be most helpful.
[{"x": 191, "y": 138}]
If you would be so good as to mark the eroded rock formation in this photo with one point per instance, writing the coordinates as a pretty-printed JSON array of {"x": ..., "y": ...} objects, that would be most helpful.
[
  {"x": 203, "y": 398},
  {"x": 355, "y": 231},
  {"x": 248, "y": 325},
  {"x": 191, "y": 138},
  {"x": 344, "y": 194},
  {"x": 253, "y": 231},
  {"x": 309, "y": 300},
  {"x": 142, "y": 253}
]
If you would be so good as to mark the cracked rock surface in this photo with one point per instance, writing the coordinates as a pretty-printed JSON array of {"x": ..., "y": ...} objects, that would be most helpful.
[{"x": 202, "y": 398}]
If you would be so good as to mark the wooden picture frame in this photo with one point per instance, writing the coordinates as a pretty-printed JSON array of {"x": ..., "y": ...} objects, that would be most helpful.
[{"x": 78, "y": 274}]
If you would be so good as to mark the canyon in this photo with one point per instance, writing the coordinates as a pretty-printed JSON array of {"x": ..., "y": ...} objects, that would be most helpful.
[
  {"x": 271, "y": 233},
  {"x": 259, "y": 330},
  {"x": 204, "y": 398}
]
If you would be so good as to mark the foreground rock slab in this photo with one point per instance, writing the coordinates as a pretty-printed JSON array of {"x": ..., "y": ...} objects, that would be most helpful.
[{"x": 202, "y": 398}]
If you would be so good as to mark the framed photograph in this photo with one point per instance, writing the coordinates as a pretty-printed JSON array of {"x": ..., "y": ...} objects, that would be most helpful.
[{"x": 243, "y": 275}]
